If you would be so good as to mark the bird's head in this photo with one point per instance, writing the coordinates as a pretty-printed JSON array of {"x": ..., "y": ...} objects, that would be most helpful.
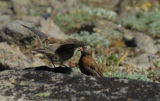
[{"x": 85, "y": 50}]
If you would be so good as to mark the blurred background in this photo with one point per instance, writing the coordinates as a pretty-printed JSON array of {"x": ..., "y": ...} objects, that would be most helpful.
[{"x": 124, "y": 34}]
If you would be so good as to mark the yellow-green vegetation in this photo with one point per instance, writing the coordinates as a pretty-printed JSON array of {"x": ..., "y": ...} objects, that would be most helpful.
[
  {"x": 113, "y": 70},
  {"x": 44, "y": 94},
  {"x": 130, "y": 76}
]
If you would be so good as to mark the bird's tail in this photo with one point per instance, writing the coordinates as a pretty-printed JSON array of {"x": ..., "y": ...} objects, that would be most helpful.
[{"x": 40, "y": 34}]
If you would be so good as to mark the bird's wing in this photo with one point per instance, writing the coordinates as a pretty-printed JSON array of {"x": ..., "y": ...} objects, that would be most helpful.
[
  {"x": 44, "y": 51},
  {"x": 93, "y": 71},
  {"x": 92, "y": 67},
  {"x": 96, "y": 68},
  {"x": 49, "y": 49},
  {"x": 49, "y": 53}
]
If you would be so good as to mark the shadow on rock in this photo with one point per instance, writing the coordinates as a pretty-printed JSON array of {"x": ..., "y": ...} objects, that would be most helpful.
[
  {"x": 60, "y": 69},
  {"x": 4, "y": 67}
]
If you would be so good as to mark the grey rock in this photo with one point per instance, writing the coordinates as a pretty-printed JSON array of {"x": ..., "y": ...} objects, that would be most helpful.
[
  {"x": 12, "y": 58},
  {"x": 36, "y": 20},
  {"x": 42, "y": 7},
  {"x": 110, "y": 4},
  {"x": 145, "y": 43},
  {"x": 148, "y": 49},
  {"x": 15, "y": 32},
  {"x": 45, "y": 26},
  {"x": 29, "y": 85},
  {"x": 62, "y": 6},
  {"x": 5, "y": 7},
  {"x": 143, "y": 61},
  {"x": 157, "y": 43},
  {"x": 52, "y": 30},
  {"x": 4, "y": 19}
]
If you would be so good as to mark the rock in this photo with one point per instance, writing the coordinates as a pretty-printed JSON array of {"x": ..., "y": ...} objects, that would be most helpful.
[
  {"x": 12, "y": 58},
  {"x": 36, "y": 20},
  {"x": 4, "y": 19},
  {"x": 143, "y": 61},
  {"x": 139, "y": 41},
  {"x": 157, "y": 43},
  {"x": 41, "y": 6},
  {"x": 62, "y": 6},
  {"x": 145, "y": 43},
  {"x": 53, "y": 30},
  {"x": 14, "y": 31},
  {"x": 109, "y": 4},
  {"x": 17, "y": 29},
  {"x": 18, "y": 85},
  {"x": 5, "y": 7}
]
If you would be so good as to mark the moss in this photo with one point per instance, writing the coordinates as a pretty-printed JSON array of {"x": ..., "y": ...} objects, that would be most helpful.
[
  {"x": 130, "y": 76},
  {"x": 44, "y": 94}
]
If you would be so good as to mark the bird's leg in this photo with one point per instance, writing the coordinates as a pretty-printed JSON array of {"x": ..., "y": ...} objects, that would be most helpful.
[
  {"x": 52, "y": 61},
  {"x": 63, "y": 64},
  {"x": 53, "y": 64}
]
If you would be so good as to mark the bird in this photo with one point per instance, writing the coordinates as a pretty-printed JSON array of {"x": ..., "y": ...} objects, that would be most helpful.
[
  {"x": 87, "y": 64},
  {"x": 57, "y": 51}
]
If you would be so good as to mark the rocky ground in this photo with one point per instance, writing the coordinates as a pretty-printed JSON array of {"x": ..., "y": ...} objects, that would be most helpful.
[
  {"x": 124, "y": 36},
  {"x": 43, "y": 85}
]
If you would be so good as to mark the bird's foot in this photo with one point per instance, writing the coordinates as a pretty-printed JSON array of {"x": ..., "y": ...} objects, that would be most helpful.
[{"x": 53, "y": 66}]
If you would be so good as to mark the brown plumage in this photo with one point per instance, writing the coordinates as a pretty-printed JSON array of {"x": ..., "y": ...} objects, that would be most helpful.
[
  {"x": 58, "y": 51},
  {"x": 87, "y": 64}
]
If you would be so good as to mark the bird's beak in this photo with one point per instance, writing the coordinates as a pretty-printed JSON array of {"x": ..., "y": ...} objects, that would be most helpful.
[{"x": 81, "y": 49}]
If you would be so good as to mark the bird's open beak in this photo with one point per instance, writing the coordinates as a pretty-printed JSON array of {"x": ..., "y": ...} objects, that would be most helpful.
[{"x": 81, "y": 49}]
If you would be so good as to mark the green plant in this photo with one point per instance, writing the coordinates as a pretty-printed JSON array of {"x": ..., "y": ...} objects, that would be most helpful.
[
  {"x": 130, "y": 76},
  {"x": 154, "y": 28},
  {"x": 156, "y": 63},
  {"x": 112, "y": 33},
  {"x": 134, "y": 23},
  {"x": 142, "y": 22},
  {"x": 94, "y": 39},
  {"x": 154, "y": 75},
  {"x": 112, "y": 59},
  {"x": 82, "y": 15}
]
